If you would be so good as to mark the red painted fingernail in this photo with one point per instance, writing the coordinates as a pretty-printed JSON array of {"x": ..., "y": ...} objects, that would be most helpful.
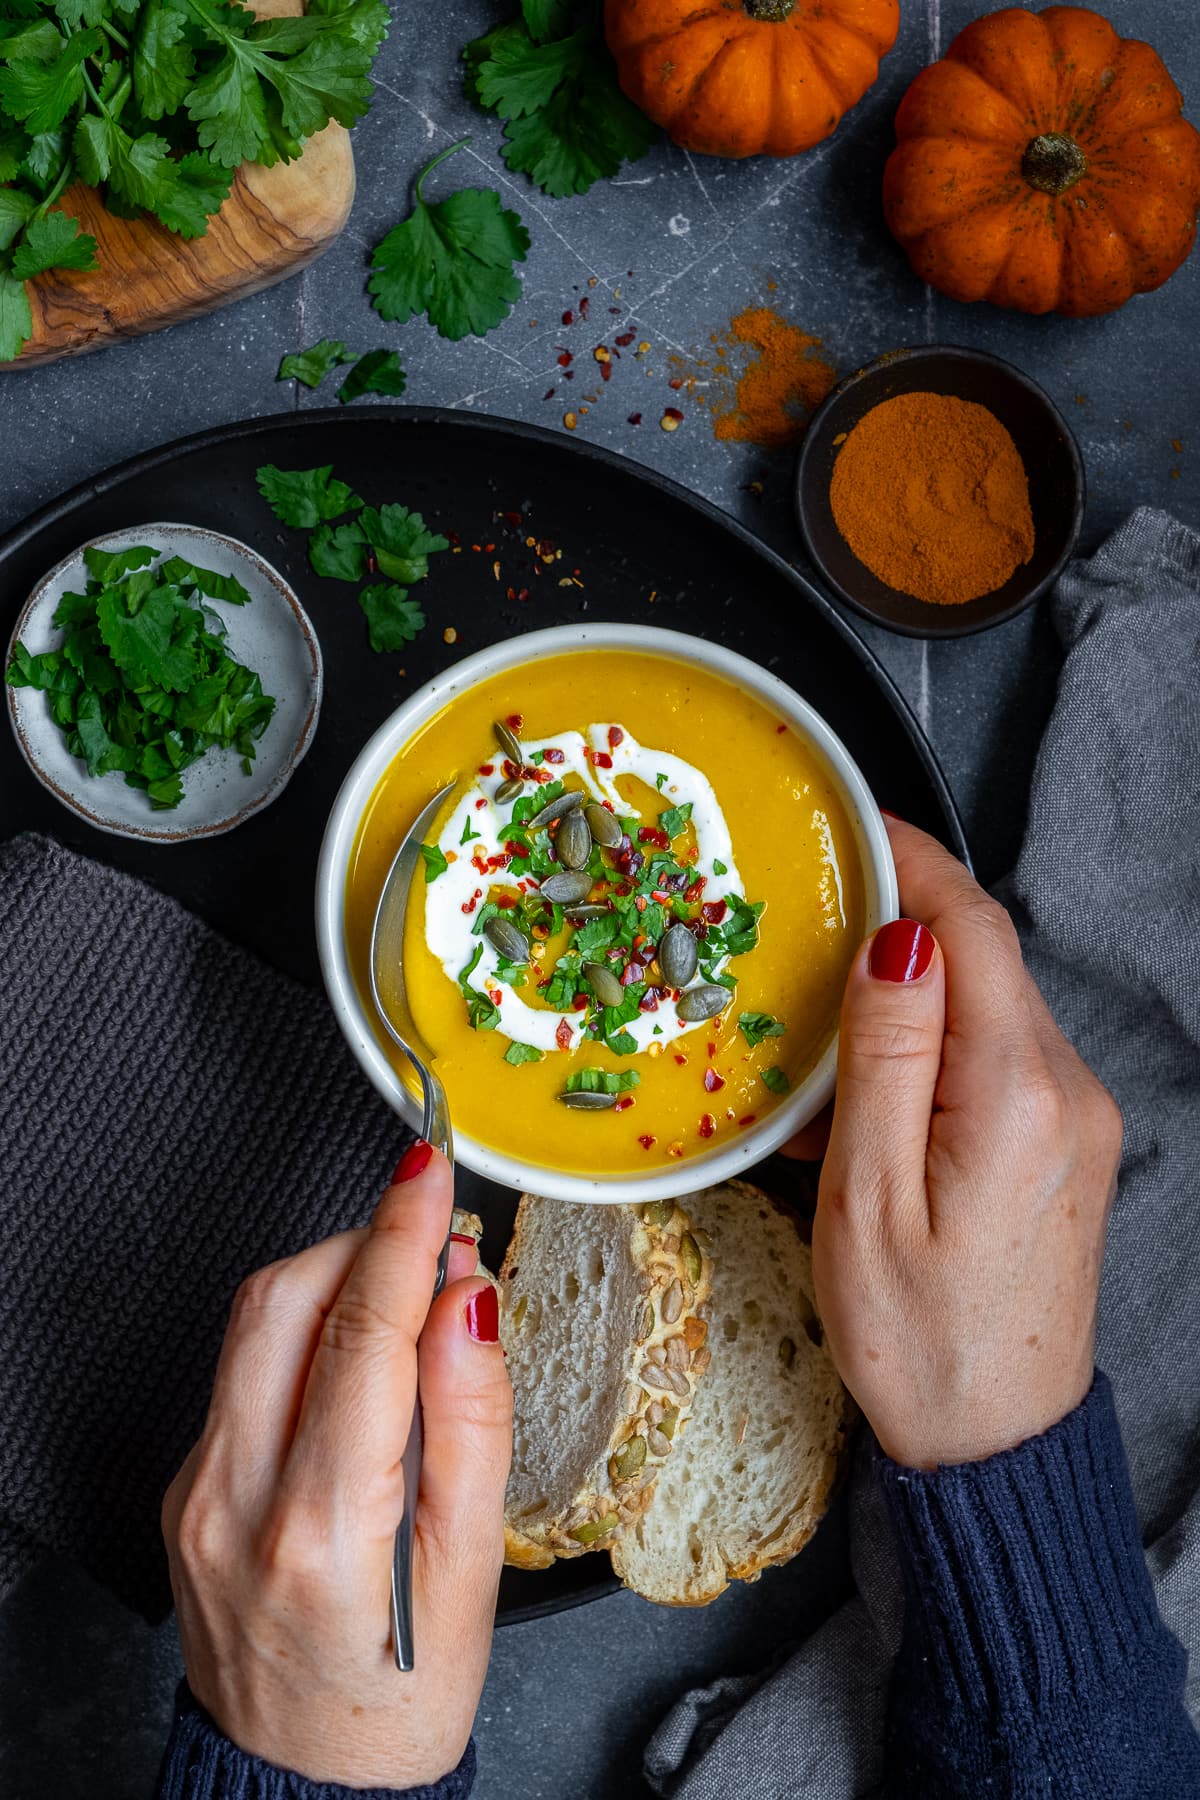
[
  {"x": 889, "y": 814},
  {"x": 414, "y": 1162},
  {"x": 483, "y": 1315},
  {"x": 461, "y": 1237},
  {"x": 901, "y": 951}
]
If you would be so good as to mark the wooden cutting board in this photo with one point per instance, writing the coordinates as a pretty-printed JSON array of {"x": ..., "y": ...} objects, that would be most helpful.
[{"x": 274, "y": 222}]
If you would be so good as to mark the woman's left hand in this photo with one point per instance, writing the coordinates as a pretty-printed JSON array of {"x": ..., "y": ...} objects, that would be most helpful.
[{"x": 279, "y": 1526}]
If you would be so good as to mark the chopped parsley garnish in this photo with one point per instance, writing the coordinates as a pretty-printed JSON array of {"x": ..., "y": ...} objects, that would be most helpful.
[
  {"x": 674, "y": 819},
  {"x": 776, "y": 1080},
  {"x": 311, "y": 366},
  {"x": 482, "y": 1013},
  {"x": 142, "y": 684},
  {"x": 435, "y": 862},
  {"x": 469, "y": 836},
  {"x": 719, "y": 868},
  {"x": 521, "y": 1053},
  {"x": 378, "y": 372},
  {"x": 452, "y": 260},
  {"x": 754, "y": 1027},
  {"x": 602, "y": 1081},
  {"x": 549, "y": 75},
  {"x": 660, "y": 782},
  {"x": 305, "y": 497}
]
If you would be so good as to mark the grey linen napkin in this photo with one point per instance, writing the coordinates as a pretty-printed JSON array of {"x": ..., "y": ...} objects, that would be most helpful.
[
  {"x": 172, "y": 1115},
  {"x": 1106, "y": 897}
]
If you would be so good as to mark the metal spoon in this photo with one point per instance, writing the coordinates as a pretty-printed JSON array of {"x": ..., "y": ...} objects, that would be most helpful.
[{"x": 391, "y": 1003}]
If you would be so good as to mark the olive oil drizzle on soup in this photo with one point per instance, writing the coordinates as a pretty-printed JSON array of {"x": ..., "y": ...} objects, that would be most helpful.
[{"x": 766, "y": 826}]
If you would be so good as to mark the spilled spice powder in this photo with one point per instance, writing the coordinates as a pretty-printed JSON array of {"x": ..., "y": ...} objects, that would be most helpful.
[{"x": 763, "y": 379}]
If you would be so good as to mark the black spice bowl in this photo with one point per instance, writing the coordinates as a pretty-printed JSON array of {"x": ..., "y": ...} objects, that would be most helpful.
[{"x": 1057, "y": 484}]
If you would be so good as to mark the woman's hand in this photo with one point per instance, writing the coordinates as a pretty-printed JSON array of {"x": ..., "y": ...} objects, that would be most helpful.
[
  {"x": 279, "y": 1525},
  {"x": 971, "y": 1166}
]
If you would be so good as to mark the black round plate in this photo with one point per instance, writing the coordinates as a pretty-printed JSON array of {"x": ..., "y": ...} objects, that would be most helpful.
[
  {"x": 1057, "y": 484},
  {"x": 642, "y": 550}
]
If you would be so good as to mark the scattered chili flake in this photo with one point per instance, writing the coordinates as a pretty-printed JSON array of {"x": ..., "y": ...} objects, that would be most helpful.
[
  {"x": 692, "y": 894},
  {"x": 630, "y": 973},
  {"x": 672, "y": 419},
  {"x": 713, "y": 1083},
  {"x": 568, "y": 317},
  {"x": 565, "y": 359},
  {"x": 650, "y": 834},
  {"x": 450, "y": 636},
  {"x": 707, "y": 1125},
  {"x": 649, "y": 1001},
  {"x": 514, "y": 519},
  {"x": 496, "y": 569},
  {"x": 681, "y": 1060},
  {"x": 602, "y": 353},
  {"x": 584, "y": 303},
  {"x": 503, "y": 901},
  {"x": 660, "y": 894},
  {"x": 644, "y": 347},
  {"x": 713, "y": 912},
  {"x": 635, "y": 418},
  {"x": 647, "y": 1143},
  {"x": 779, "y": 730},
  {"x": 654, "y": 1050},
  {"x": 453, "y": 536},
  {"x": 522, "y": 593},
  {"x": 549, "y": 394},
  {"x": 624, "y": 1103},
  {"x": 712, "y": 1050},
  {"x": 747, "y": 1120},
  {"x": 626, "y": 338},
  {"x": 599, "y": 759},
  {"x": 515, "y": 721},
  {"x": 486, "y": 769},
  {"x": 480, "y": 804},
  {"x": 562, "y": 1036},
  {"x": 570, "y": 421},
  {"x": 606, "y": 372},
  {"x": 579, "y": 1003},
  {"x": 468, "y": 906},
  {"x": 675, "y": 1149},
  {"x": 554, "y": 756},
  {"x": 677, "y": 383}
]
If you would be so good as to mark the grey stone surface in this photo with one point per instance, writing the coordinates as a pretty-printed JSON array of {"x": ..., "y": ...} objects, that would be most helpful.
[{"x": 84, "y": 1690}]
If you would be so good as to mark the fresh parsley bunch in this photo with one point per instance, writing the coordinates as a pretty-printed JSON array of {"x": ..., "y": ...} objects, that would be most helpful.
[
  {"x": 156, "y": 103},
  {"x": 143, "y": 684}
]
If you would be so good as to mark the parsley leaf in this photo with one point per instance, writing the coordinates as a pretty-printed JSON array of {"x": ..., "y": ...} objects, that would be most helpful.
[
  {"x": 41, "y": 93},
  {"x": 521, "y": 1053},
  {"x": 110, "y": 565},
  {"x": 16, "y": 319},
  {"x": 602, "y": 1081},
  {"x": 453, "y": 260},
  {"x": 435, "y": 862},
  {"x": 53, "y": 242},
  {"x": 482, "y": 1014},
  {"x": 311, "y": 366},
  {"x": 393, "y": 618},
  {"x": 567, "y": 123},
  {"x": 305, "y": 496},
  {"x": 210, "y": 584},
  {"x": 674, "y": 819},
  {"x": 469, "y": 836},
  {"x": 754, "y": 1027},
  {"x": 776, "y": 1080},
  {"x": 401, "y": 542},
  {"x": 719, "y": 868},
  {"x": 339, "y": 552},
  {"x": 565, "y": 982},
  {"x": 378, "y": 372}
]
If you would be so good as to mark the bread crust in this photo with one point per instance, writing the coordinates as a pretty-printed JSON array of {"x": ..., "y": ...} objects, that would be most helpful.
[{"x": 676, "y": 1275}]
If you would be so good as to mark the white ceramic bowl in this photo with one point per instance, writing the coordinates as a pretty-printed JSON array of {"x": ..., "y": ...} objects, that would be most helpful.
[
  {"x": 273, "y": 635},
  {"x": 356, "y": 1019}
]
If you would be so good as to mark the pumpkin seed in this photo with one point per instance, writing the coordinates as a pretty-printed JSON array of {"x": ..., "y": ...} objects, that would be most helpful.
[
  {"x": 672, "y": 1304},
  {"x": 602, "y": 982},
  {"x": 702, "y": 1003},
  {"x": 510, "y": 790},
  {"x": 570, "y": 886},
  {"x": 669, "y": 1421},
  {"x": 603, "y": 825},
  {"x": 585, "y": 1102},
  {"x": 509, "y": 743},
  {"x": 579, "y": 915},
  {"x": 692, "y": 1261},
  {"x": 573, "y": 845},
  {"x": 555, "y": 810},
  {"x": 503, "y": 936},
  {"x": 598, "y": 1528},
  {"x": 628, "y": 1459},
  {"x": 519, "y": 1311},
  {"x": 678, "y": 956},
  {"x": 658, "y": 1212}
]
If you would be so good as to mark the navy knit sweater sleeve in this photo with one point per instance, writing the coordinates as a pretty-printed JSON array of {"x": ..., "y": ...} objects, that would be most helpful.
[
  {"x": 201, "y": 1764},
  {"x": 1034, "y": 1662}
]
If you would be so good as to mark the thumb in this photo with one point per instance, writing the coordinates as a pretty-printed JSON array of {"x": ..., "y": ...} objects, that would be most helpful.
[
  {"x": 466, "y": 1400},
  {"x": 889, "y": 1056}
]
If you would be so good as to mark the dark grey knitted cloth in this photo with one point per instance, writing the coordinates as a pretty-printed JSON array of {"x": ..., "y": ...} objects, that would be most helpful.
[
  {"x": 172, "y": 1115},
  {"x": 1106, "y": 896}
]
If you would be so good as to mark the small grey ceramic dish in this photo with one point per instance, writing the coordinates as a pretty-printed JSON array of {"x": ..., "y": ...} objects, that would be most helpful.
[
  {"x": 272, "y": 635},
  {"x": 1057, "y": 484}
]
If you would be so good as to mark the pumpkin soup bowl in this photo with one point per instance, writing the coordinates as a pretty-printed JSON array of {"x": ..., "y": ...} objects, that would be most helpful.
[{"x": 742, "y": 819}]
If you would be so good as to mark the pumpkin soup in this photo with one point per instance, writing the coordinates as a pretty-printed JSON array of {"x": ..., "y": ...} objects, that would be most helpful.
[{"x": 636, "y": 911}]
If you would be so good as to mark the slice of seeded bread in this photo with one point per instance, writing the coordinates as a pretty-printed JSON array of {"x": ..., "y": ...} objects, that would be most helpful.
[
  {"x": 599, "y": 1320},
  {"x": 750, "y": 1478}
]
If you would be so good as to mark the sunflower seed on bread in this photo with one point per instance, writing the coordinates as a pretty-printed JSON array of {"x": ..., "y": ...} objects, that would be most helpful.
[
  {"x": 750, "y": 1479},
  {"x": 593, "y": 1302}
]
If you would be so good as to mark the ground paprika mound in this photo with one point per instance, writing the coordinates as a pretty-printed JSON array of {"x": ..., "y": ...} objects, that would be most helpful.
[
  {"x": 761, "y": 380},
  {"x": 931, "y": 494}
]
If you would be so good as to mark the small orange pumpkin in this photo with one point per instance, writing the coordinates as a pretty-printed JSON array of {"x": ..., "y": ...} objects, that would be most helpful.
[
  {"x": 1044, "y": 165},
  {"x": 749, "y": 77}
]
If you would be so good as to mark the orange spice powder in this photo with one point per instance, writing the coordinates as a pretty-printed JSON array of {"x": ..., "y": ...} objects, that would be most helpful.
[{"x": 762, "y": 381}]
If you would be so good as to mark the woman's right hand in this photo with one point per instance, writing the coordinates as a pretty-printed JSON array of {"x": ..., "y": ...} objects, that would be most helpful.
[{"x": 965, "y": 1192}]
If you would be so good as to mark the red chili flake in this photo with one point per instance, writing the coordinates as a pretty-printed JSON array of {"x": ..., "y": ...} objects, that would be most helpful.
[
  {"x": 499, "y": 862},
  {"x": 676, "y": 384},
  {"x": 569, "y": 375},
  {"x": 631, "y": 972},
  {"x": 673, "y": 412},
  {"x": 479, "y": 862},
  {"x": 579, "y": 1003},
  {"x": 707, "y": 1125},
  {"x": 650, "y": 834},
  {"x": 647, "y": 1143},
  {"x": 649, "y": 1001},
  {"x": 584, "y": 303},
  {"x": 608, "y": 806},
  {"x": 475, "y": 548},
  {"x": 625, "y": 338},
  {"x": 712, "y": 1050},
  {"x": 549, "y": 394},
  {"x": 486, "y": 769},
  {"x": 646, "y": 955},
  {"x": 489, "y": 548},
  {"x": 510, "y": 594},
  {"x": 660, "y": 894},
  {"x": 565, "y": 359},
  {"x": 514, "y": 849},
  {"x": 600, "y": 759},
  {"x": 568, "y": 317},
  {"x": 615, "y": 734},
  {"x": 634, "y": 418},
  {"x": 555, "y": 756},
  {"x": 480, "y": 804},
  {"x": 615, "y": 309},
  {"x": 523, "y": 594},
  {"x": 563, "y": 1037},
  {"x": 508, "y": 769},
  {"x": 372, "y": 563},
  {"x": 503, "y": 901},
  {"x": 713, "y": 1083},
  {"x": 698, "y": 886},
  {"x": 514, "y": 721},
  {"x": 624, "y": 1103},
  {"x": 748, "y": 1120},
  {"x": 681, "y": 1060},
  {"x": 453, "y": 536},
  {"x": 606, "y": 372},
  {"x": 468, "y": 906},
  {"x": 713, "y": 912}
]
